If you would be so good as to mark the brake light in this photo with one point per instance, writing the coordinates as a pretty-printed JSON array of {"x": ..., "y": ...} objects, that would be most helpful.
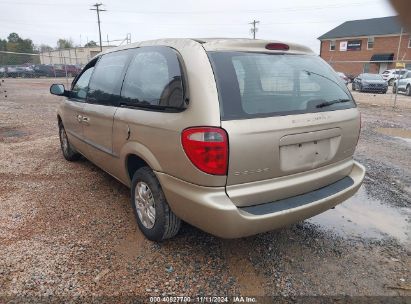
[
  {"x": 277, "y": 47},
  {"x": 207, "y": 148}
]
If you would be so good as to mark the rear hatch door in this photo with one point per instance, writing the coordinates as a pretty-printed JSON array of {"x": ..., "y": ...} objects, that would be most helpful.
[{"x": 285, "y": 116}]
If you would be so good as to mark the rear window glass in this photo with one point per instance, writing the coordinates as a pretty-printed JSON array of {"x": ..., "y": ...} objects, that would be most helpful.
[{"x": 260, "y": 85}]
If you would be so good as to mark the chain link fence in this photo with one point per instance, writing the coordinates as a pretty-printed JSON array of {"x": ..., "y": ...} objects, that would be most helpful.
[{"x": 54, "y": 64}]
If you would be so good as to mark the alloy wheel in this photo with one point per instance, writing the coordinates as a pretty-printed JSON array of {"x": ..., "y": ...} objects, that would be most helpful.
[{"x": 145, "y": 205}]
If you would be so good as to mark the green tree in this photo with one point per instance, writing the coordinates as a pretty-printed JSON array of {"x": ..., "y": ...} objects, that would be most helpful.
[
  {"x": 3, "y": 47},
  {"x": 64, "y": 44},
  {"x": 44, "y": 48},
  {"x": 13, "y": 38},
  {"x": 15, "y": 43},
  {"x": 91, "y": 43}
]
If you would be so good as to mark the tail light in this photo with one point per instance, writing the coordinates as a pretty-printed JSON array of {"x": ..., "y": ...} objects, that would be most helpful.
[
  {"x": 207, "y": 148},
  {"x": 277, "y": 46}
]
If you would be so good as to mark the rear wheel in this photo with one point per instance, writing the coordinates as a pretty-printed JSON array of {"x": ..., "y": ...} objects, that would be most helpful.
[
  {"x": 153, "y": 214},
  {"x": 394, "y": 88},
  {"x": 391, "y": 81},
  {"x": 353, "y": 86},
  {"x": 69, "y": 152}
]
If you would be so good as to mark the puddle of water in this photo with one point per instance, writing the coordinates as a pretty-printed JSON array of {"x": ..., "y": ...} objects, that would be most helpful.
[
  {"x": 363, "y": 217},
  {"x": 9, "y": 132},
  {"x": 399, "y": 133}
]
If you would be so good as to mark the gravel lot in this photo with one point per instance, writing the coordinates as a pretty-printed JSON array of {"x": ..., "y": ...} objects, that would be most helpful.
[{"x": 68, "y": 230}]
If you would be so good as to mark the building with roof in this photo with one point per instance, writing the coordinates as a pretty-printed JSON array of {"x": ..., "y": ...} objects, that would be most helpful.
[{"x": 369, "y": 45}]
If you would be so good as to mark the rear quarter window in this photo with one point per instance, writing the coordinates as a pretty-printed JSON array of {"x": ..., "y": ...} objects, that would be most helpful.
[{"x": 154, "y": 79}]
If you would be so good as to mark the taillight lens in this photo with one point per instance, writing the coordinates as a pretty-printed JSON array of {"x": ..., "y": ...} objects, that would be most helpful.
[
  {"x": 277, "y": 46},
  {"x": 207, "y": 148}
]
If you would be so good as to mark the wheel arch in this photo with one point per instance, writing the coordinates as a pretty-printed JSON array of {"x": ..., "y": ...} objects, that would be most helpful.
[
  {"x": 59, "y": 120},
  {"x": 133, "y": 162}
]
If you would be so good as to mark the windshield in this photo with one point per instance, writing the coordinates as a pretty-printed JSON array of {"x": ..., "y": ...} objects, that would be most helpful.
[
  {"x": 372, "y": 77},
  {"x": 260, "y": 85}
]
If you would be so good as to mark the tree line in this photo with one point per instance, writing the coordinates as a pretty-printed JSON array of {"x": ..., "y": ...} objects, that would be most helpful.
[{"x": 15, "y": 43}]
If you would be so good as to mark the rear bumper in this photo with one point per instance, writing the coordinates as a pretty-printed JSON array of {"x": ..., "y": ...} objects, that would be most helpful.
[{"x": 210, "y": 209}]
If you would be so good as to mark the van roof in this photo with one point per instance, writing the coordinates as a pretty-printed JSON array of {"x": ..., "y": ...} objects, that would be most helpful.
[{"x": 222, "y": 44}]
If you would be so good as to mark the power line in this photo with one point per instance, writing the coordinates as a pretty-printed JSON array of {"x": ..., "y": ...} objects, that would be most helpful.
[
  {"x": 254, "y": 29},
  {"x": 98, "y": 10},
  {"x": 260, "y": 11}
]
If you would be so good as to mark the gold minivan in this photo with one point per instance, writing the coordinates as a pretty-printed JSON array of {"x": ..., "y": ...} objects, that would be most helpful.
[{"x": 234, "y": 136}]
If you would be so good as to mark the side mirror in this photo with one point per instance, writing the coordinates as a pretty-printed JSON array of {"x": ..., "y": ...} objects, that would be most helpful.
[{"x": 58, "y": 89}]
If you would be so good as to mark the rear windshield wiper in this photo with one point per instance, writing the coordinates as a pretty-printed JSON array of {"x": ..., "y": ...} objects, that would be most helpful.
[{"x": 331, "y": 102}]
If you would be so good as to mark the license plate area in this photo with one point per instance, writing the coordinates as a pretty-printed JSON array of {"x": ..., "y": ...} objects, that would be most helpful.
[{"x": 299, "y": 152}]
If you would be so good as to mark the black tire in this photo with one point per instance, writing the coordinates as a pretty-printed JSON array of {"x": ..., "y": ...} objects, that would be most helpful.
[
  {"x": 166, "y": 223},
  {"x": 394, "y": 88},
  {"x": 69, "y": 152},
  {"x": 391, "y": 82},
  {"x": 360, "y": 87},
  {"x": 353, "y": 86},
  {"x": 408, "y": 90}
]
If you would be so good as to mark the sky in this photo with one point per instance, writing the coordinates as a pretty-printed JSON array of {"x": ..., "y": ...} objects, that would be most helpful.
[{"x": 299, "y": 21}]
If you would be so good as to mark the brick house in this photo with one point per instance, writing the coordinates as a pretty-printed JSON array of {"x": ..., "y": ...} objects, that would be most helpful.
[{"x": 373, "y": 43}]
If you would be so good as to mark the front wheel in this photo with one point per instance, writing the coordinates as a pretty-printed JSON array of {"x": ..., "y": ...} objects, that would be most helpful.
[
  {"x": 408, "y": 90},
  {"x": 391, "y": 82},
  {"x": 394, "y": 88},
  {"x": 153, "y": 214},
  {"x": 69, "y": 152},
  {"x": 353, "y": 86}
]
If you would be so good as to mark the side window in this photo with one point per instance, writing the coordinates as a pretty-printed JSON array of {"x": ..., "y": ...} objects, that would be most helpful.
[
  {"x": 105, "y": 84},
  {"x": 80, "y": 88},
  {"x": 154, "y": 78},
  {"x": 332, "y": 45}
]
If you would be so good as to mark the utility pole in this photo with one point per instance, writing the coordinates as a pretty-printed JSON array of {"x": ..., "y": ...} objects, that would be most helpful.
[
  {"x": 98, "y": 10},
  {"x": 396, "y": 67},
  {"x": 254, "y": 29}
]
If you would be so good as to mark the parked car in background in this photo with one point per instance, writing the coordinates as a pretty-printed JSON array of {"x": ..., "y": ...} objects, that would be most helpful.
[
  {"x": 69, "y": 69},
  {"x": 20, "y": 71},
  {"x": 351, "y": 77},
  {"x": 47, "y": 70},
  {"x": 370, "y": 83},
  {"x": 2, "y": 71},
  {"x": 403, "y": 84},
  {"x": 391, "y": 75},
  {"x": 343, "y": 77},
  {"x": 234, "y": 136}
]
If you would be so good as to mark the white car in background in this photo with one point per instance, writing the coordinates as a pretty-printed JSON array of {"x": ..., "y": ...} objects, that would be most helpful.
[
  {"x": 403, "y": 84},
  {"x": 391, "y": 75}
]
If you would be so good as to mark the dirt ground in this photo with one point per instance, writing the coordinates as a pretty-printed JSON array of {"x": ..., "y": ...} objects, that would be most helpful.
[{"x": 67, "y": 229}]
